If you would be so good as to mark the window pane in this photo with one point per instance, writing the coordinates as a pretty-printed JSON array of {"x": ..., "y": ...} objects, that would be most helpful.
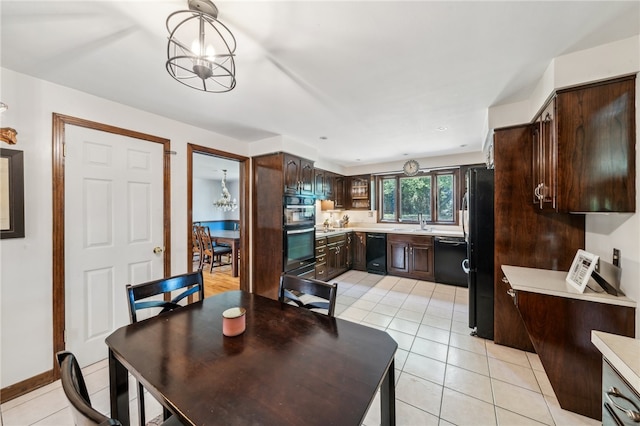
[
  {"x": 389, "y": 199},
  {"x": 415, "y": 196},
  {"x": 445, "y": 198}
]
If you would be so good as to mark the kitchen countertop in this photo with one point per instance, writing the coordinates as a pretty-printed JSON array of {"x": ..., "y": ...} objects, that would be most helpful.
[
  {"x": 405, "y": 231},
  {"x": 623, "y": 353},
  {"x": 553, "y": 283}
]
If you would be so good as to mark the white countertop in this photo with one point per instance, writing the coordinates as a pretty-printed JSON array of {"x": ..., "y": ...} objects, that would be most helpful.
[
  {"x": 406, "y": 231},
  {"x": 553, "y": 283},
  {"x": 623, "y": 353}
]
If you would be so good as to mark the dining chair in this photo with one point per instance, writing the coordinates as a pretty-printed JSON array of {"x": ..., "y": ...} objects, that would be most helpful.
[
  {"x": 145, "y": 296},
  {"x": 75, "y": 389},
  {"x": 211, "y": 250},
  {"x": 196, "y": 245},
  {"x": 308, "y": 293}
]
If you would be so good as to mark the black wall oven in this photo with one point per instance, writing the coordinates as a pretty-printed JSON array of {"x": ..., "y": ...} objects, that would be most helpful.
[{"x": 299, "y": 234}]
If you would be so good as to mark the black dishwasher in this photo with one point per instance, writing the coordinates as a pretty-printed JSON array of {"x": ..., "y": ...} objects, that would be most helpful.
[
  {"x": 449, "y": 252},
  {"x": 377, "y": 253}
]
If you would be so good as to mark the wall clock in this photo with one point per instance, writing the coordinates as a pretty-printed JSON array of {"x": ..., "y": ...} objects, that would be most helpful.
[{"x": 411, "y": 168}]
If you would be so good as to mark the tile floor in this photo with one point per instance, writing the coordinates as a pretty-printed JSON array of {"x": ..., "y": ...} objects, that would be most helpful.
[{"x": 443, "y": 375}]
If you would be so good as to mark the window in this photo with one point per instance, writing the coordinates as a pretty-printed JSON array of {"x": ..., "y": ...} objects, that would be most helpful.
[{"x": 433, "y": 194}]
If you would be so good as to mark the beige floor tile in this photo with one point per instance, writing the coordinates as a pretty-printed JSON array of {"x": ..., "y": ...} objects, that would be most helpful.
[
  {"x": 408, "y": 315},
  {"x": 62, "y": 417},
  {"x": 354, "y": 314},
  {"x": 563, "y": 417},
  {"x": 432, "y": 333},
  {"x": 420, "y": 393},
  {"x": 409, "y": 415},
  {"x": 544, "y": 383},
  {"x": 385, "y": 309},
  {"x": 425, "y": 368},
  {"x": 508, "y": 418},
  {"x": 437, "y": 322},
  {"x": 440, "y": 312},
  {"x": 460, "y": 327},
  {"x": 534, "y": 361},
  {"x": 521, "y": 401},
  {"x": 505, "y": 353},
  {"x": 468, "y": 360},
  {"x": 404, "y": 326},
  {"x": 461, "y": 409},
  {"x": 377, "y": 319},
  {"x": 364, "y": 304},
  {"x": 468, "y": 343},
  {"x": 404, "y": 340},
  {"x": 429, "y": 348},
  {"x": 400, "y": 358},
  {"x": 468, "y": 383},
  {"x": 513, "y": 374}
]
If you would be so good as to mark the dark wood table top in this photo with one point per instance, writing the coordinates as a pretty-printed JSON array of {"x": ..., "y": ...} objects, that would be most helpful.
[{"x": 290, "y": 367}]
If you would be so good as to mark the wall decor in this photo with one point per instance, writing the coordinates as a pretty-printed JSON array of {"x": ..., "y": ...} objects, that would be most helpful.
[{"x": 11, "y": 194}]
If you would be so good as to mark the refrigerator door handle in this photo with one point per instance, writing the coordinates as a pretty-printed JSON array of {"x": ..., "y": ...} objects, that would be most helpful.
[{"x": 465, "y": 266}]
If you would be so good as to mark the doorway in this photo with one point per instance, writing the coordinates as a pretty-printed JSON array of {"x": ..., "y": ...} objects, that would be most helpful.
[{"x": 207, "y": 168}]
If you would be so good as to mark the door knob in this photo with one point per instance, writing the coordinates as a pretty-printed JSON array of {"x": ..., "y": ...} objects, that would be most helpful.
[{"x": 157, "y": 250}]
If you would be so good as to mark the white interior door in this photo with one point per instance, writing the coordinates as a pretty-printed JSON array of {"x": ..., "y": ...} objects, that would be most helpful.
[{"x": 113, "y": 223}]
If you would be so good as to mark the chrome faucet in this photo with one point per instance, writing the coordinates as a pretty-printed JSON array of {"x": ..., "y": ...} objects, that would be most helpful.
[{"x": 422, "y": 222}]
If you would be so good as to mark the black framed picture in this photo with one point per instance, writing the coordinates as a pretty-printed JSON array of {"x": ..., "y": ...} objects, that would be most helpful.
[{"x": 11, "y": 193}]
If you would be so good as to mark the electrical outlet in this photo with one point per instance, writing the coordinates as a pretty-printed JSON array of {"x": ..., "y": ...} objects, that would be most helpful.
[{"x": 616, "y": 257}]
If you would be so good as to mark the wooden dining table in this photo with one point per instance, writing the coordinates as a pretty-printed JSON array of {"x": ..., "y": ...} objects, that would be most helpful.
[
  {"x": 232, "y": 239},
  {"x": 290, "y": 367}
]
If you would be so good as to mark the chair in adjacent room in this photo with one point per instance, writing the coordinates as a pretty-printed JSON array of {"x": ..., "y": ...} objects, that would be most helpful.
[
  {"x": 196, "y": 245},
  {"x": 308, "y": 293},
  {"x": 211, "y": 251},
  {"x": 145, "y": 296}
]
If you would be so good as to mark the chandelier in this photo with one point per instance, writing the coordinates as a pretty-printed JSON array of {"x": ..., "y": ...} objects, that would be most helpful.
[
  {"x": 225, "y": 203},
  {"x": 201, "y": 49}
]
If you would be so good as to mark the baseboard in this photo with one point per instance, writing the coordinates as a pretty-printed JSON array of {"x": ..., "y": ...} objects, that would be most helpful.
[{"x": 26, "y": 386}]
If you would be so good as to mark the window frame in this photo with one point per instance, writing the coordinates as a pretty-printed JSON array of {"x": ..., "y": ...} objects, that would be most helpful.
[{"x": 433, "y": 174}]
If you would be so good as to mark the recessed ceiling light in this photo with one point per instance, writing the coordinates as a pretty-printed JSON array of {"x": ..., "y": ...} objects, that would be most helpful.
[
  {"x": 323, "y": 138},
  {"x": 441, "y": 128},
  {"x": 463, "y": 145}
]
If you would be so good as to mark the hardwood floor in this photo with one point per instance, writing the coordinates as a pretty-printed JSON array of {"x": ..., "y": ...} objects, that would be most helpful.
[{"x": 219, "y": 281}]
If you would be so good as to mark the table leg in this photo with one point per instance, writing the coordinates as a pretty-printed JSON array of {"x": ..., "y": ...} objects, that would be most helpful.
[
  {"x": 388, "y": 397},
  {"x": 234, "y": 261},
  {"x": 118, "y": 390}
]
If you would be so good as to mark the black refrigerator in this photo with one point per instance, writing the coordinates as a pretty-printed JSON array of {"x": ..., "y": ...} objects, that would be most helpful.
[{"x": 478, "y": 230}]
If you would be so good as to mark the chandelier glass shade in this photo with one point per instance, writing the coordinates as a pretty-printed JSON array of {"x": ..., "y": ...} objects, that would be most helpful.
[
  {"x": 225, "y": 203},
  {"x": 200, "y": 52}
]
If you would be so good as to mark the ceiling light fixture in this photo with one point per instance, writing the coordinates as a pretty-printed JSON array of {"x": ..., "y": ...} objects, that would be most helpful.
[
  {"x": 225, "y": 203},
  {"x": 201, "y": 49},
  {"x": 3, "y": 107}
]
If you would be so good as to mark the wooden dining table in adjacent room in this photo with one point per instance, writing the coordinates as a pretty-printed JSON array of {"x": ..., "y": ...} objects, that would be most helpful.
[{"x": 290, "y": 367}]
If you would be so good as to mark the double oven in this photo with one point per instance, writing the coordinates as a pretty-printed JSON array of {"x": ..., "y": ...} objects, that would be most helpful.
[{"x": 299, "y": 220}]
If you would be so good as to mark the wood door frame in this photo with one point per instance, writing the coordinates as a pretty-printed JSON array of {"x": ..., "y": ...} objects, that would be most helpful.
[
  {"x": 60, "y": 122},
  {"x": 243, "y": 196}
]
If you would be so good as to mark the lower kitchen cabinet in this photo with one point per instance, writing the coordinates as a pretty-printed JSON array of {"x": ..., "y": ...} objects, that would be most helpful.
[
  {"x": 321, "y": 258},
  {"x": 359, "y": 251},
  {"x": 332, "y": 256},
  {"x": 560, "y": 326},
  {"x": 410, "y": 256}
]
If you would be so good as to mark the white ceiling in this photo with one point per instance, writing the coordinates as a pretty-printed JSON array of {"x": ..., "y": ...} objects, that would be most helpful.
[{"x": 376, "y": 78}]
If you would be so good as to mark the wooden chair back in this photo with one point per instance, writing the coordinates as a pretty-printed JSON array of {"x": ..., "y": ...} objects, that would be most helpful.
[
  {"x": 192, "y": 283},
  {"x": 75, "y": 389},
  {"x": 295, "y": 289}
]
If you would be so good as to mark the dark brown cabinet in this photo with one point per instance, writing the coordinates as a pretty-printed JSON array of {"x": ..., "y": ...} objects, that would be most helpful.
[
  {"x": 359, "y": 197},
  {"x": 584, "y": 149},
  {"x": 560, "y": 329},
  {"x": 336, "y": 255},
  {"x": 319, "y": 185},
  {"x": 339, "y": 192},
  {"x": 321, "y": 258},
  {"x": 524, "y": 236},
  {"x": 410, "y": 256},
  {"x": 273, "y": 176},
  {"x": 360, "y": 251},
  {"x": 298, "y": 175}
]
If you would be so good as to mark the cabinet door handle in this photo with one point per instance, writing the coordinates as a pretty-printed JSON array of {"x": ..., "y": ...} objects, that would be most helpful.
[
  {"x": 511, "y": 292},
  {"x": 505, "y": 280},
  {"x": 633, "y": 415}
]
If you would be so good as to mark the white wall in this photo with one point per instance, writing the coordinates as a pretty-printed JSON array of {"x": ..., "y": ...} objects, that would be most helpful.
[
  {"x": 26, "y": 275},
  {"x": 209, "y": 191},
  {"x": 603, "y": 232}
]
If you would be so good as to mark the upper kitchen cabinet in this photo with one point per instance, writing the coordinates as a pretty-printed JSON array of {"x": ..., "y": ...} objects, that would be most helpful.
[
  {"x": 359, "y": 193},
  {"x": 298, "y": 175},
  {"x": 319, "y": 183},
  {"x": 339, "y": 192},
  {"x": 584, "y": 149}
]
